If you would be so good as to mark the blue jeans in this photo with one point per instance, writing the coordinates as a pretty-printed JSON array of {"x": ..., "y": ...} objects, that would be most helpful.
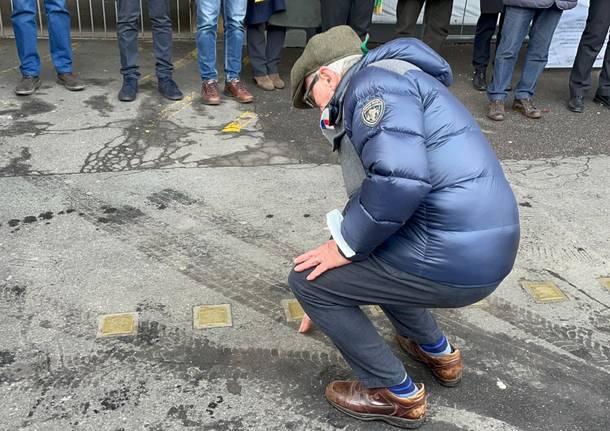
[
  {"x": 233, "y": 13},
  {"x": 24, "y": 26},
  {"x": 516, "y": 25},
  {"x": 127, "y": 32}
]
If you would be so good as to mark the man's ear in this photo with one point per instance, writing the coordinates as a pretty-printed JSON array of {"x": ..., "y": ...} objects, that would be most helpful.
[{"x": 327, "y": 74}]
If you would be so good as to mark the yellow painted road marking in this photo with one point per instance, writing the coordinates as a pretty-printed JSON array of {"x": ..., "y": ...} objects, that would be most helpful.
[
  {"x": 240, "y": 122},
  {"x": 292, "y": 310},
  {"x": 180, "y": 63},
  {"x": 544, "y": 291},
  {"x": 117, "y": 325},
  {"x": 479, "y": 303},
  {"x": 44, "y": 58},
  {"x": 212, "y": 316},
  {"x": 605, "y": 281},
  {"x": 172, "y": 109}
]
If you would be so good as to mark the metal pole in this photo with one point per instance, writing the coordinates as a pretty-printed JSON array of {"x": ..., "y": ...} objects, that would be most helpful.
[
  {"x": 463, "y": 18},
  {"x": 190, "y": 17},
  {"x": 178, "y": 13},
  {"x": 141, "y": 18},
  {"x": 80, "y": 27},
  {"x": 39, "y": 15},
  {"x": 104, "y": 18},
  {"x": 1, "y": 23},
  {"x": 91, "y": 16}
]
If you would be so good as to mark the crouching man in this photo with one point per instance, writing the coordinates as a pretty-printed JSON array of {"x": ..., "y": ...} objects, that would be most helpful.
[{"x": 431, "y": 221}]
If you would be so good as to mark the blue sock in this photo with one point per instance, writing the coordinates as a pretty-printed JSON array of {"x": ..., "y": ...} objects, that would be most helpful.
[
  {"x": 405, "y": 389},
  {"x": 440, "y": 348}
]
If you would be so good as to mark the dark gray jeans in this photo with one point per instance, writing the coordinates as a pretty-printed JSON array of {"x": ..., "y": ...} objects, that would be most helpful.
[
  {"x": 437, "y": 17},
  {"x": 264, "y": 52},
  {"x": 128, "y": 26},
  {"x": 333, "y": 302}
]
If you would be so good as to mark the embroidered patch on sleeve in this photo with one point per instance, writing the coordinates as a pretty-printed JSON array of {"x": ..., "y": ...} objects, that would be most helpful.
[{"x": 373, "y": 111}]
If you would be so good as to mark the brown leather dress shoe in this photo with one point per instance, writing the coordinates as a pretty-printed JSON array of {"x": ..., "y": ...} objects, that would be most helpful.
[
  {"x": 355, "y": 400},
  {"x": 447, "y": 369},
  {"x": 210, "y": 94},
  {"x": 527, "y": 108},
  {"x": 238, "y": 91},
  {"x": 277, "y": 81}
]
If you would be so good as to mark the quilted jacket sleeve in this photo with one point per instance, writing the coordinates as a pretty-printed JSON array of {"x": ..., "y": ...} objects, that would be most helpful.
[{"x": 386, "y": 126}]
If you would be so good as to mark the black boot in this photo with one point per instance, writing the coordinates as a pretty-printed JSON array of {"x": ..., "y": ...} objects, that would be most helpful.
[
  {"x": 576, "y": 104},
  {"x": 128, "y": 90},
  {"x": 169, "y": 89},
  {"x": 479, "y": 80}
]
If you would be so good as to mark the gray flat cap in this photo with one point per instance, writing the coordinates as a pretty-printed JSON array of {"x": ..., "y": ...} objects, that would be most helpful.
[{"x": 322, "y": 50}]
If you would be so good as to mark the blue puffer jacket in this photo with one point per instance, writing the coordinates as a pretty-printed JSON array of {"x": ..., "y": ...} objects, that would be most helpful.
[
  {"x": 435, "y": 202},
  {"x": 542, "y": 4}
]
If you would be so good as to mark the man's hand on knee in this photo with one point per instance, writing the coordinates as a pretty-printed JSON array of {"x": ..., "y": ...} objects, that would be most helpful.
[{"x": 323, "y": 258}]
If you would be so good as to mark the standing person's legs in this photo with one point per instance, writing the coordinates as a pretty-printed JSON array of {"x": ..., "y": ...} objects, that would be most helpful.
[
  {"x": 256, "y": 49},
  {"x": 59, "y": 35},
  {"x": 275, "y": 44},
  {"x": 360, "y": 16},
  {"x": 207, "y": 24},
  {"x": 127, "y": 34},
  {"x": 604, "y": 77},
  {"x": 407, "y": 12},
  {"x": 25, "y": 29},
  {"x": 332, "y": 301},
  {"x": 516, "y": 25},
  {"x": 591, "y": 42},
  {"x": 437, "y": 17},
  {"x": 162, "y": 37},
  {"x": 234, "y": 14},
  {"x": 334, "y": 13},
  {"x": 541, "y": 33},
  {"x": 486, "y": 26}
]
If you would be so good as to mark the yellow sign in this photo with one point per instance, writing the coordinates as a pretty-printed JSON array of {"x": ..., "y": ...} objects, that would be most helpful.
[
  {"x": 212, "y": 316},
  {"x": 544, "y": 291},
  {"x": 292, "y": 310},
  {"x": 117, "y": 325}
]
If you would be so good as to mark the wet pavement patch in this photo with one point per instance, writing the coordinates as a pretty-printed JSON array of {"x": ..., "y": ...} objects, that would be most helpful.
[
  {"x": 167, "y": 197},
  {"x": 125, "y": 214},
  {"x": 100, "y": 104},
  {"x": 17, "y": 165},
  {"x": 6, "y": 358}
]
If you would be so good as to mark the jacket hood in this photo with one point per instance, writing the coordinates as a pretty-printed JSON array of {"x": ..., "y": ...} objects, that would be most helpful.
[{"x": 407, "y": 49}]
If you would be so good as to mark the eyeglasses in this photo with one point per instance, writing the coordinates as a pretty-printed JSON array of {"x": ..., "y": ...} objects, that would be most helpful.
[{"x": 308, "y": 97}]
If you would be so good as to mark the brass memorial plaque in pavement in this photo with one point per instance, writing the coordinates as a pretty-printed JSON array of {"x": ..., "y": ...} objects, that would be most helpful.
[
  {"x": 544, "y": 291},
  {"x": 212, "y": 316},
  {"x": 292, "y": 310},
  {"x": 117, "y": 325}
]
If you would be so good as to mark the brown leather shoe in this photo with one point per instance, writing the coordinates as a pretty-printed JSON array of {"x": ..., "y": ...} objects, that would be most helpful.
[
  {"x": 355, "y": 400},
  {"x": 210, "y": 94},
  {"x": 238, "y": 91},
  {"x": 264, "y": 82},
  {"x": 495, "y": 110},
  {"x": 277, "y": 81},
  {"x": 527, "y": 108},
  {"x": 447, "y": 369}
]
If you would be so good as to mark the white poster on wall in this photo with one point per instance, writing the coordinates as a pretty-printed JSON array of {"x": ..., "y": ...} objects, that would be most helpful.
[
  {"x": 466, "y": 11},
  {"x": 567, "y": 37}
]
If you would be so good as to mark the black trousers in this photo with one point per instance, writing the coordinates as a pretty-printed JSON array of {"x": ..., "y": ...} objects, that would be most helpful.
[
  {"x": 355, "y": 13},
  {"x": 128, "y": 26},
  {"x": 264, "y": 52},
  {"x": 591, "y": 42},
  {"x": 486, "y": 27},
  {"x": 437, "y": 17}
]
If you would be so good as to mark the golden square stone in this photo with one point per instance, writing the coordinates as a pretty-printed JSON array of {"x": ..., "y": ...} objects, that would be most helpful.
[
  {"x": 212, "y": 316},
  {"x": 118, "y": 325},
  {"x": 375, "y": 310},
  {"x": 544, "y": 291},
  {"x": 292, "y": 310},
  {"x": 605, "y": 281}
]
